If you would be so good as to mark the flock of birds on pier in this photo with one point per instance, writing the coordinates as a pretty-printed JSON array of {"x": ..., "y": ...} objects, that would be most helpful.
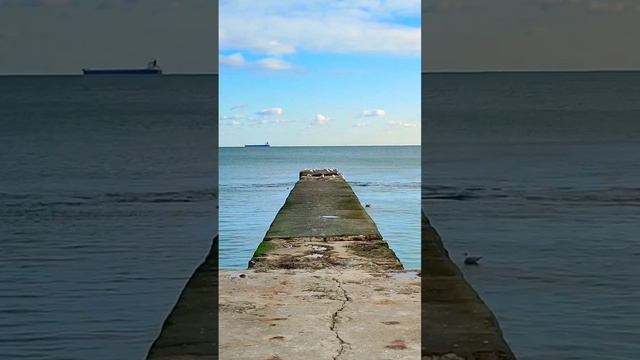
[{"x": 325, "y": 172}]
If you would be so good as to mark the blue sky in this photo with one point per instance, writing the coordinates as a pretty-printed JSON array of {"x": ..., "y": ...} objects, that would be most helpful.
[{"x": 319, "y": 73}]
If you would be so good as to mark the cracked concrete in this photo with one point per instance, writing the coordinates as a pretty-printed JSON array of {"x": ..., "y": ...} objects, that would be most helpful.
[
  {"x": 336, "y": 317},
  {"x": 321, "y": 314},
  {"x": 323, "y": 225},
  {"x": 323, "y": 236},
  {"x": 314, "y": 292}
]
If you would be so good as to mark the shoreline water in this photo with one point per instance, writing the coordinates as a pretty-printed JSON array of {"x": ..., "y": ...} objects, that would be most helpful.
[
  {"x": 254, "y": 184},
  {"x": 108, "y": 202},
  {"x": 537, "y": 173}
]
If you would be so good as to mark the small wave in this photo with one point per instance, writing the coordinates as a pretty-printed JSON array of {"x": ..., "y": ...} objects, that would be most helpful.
[
  {"x": 73, "y": 200},
  {"x": 255, "y": 186},
  {"x": 386, "y": 185},
  {"x": 612, "y": 196},
  {"x": 459, "y": 197}
]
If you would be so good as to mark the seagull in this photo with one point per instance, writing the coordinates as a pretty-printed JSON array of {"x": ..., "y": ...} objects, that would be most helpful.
[{"x": 471, "y": 260}]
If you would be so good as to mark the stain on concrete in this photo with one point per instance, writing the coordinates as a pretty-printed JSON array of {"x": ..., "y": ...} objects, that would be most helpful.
[{"x": 397, "y": 345}]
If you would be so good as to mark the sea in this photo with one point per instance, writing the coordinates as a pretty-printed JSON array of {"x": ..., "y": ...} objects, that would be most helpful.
[
  {"x": 108, "y": 194},
  {"x": 107, "y": 205},
  {"x": 539, "y": 173},
  {"x": 254, "y": 183}
]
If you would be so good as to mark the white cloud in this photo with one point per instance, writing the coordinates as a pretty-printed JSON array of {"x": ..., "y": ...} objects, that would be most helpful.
[
  {"x": 274, "y": 47},
  {"x": 286, "y": 26},
  {"x": 359, "y": 125},
  {"x": 234, "y": 120},
  {"x": 238, "y": 107},
  {"x": 238, "y": 60},
  {"x": 401, "y": 124},
  {"x": 373, "y": 113},
  {"x": 233, "y": 60},
  {"x": 272, "y": 111},
  {"x": 274, "y": 64},
  {"x": 320, "y": 119}
]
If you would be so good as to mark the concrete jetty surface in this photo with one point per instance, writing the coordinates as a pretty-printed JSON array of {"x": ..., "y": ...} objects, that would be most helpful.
[
  {"x": 456, "y": 323},
  {"x": 191, "y": 329},
  {"x": 323, "y": 225},
  {"x": 323, "y": 284}
]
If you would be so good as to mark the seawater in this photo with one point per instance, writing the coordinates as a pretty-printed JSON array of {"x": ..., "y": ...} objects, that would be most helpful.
[
  {"x": 539, "y": 173},
  {"x": 254, "y": 183},
  {"x": 107, "y": 205}
]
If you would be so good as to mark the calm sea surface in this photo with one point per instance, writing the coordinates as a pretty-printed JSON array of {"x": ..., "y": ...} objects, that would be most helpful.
[
  {"x": 107, "y": 205},
  {"x": 254, "y": 183},
  {"x": 107, "y": 201},
  {"x": 540, "y": 174}
]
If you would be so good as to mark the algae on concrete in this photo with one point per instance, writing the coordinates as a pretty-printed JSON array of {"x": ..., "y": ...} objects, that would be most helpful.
[
  {"x": 263, "y": 248},
  {"x": 322, "y": 211},
  {"x": 322, "y": 208},
  {"x": 332, "y": 291}
]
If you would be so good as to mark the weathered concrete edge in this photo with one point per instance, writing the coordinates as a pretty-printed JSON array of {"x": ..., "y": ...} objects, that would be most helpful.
[
  {"x": 190, "y": 331},
  {"x": 364, "y": 210},
  {"x": 429, "y": 234},
  {"x": 376, "y": 236},
  {"x": 264, "y": 247}
]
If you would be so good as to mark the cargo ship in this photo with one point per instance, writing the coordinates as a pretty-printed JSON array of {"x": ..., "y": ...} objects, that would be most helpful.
[
  {"x": 259, "y": 145},
  {"x": 151, "y": 69}
]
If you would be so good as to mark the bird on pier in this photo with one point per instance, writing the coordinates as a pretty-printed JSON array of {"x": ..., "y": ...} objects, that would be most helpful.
[{"x": 471, "y": 260}]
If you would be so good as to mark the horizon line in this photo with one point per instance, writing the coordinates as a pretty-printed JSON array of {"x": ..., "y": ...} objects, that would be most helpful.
[
  {"x": 80, "y": 74},
  {"x": 421, "y": 72},
  {"x": 527, "y": 71},
  {"x": 371, "y": 145}
]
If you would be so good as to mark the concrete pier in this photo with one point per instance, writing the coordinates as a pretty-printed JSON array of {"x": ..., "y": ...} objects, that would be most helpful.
[
  {"x": 456, "y": 323},
  {"x": 323, "y": 284},
  {"x": 191, "y": 329},
  {"x": 323, "y": 225}
]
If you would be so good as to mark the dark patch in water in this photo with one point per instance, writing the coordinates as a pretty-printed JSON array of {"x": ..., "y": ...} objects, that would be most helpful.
[{"x": 613, "y": 196}]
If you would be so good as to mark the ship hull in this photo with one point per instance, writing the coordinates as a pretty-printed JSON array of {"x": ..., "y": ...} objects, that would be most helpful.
[
  {"x": 122, "y": 72},
  {"x": 259, "y": 146}
]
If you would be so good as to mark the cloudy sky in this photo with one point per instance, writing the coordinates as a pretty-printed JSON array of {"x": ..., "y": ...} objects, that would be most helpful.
[
  {"x": 63, "y": 36},
  {"x": 477, "y": 35},
  {"x": 311, "y": 72}
]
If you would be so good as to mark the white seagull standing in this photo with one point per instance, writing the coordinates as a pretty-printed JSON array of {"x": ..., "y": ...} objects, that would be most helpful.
[{"x": 471, "y": 260}]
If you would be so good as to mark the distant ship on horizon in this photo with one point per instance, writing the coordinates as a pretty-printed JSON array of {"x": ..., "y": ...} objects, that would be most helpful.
[
  {"x": 151, "y": 69},
  {"x": 266, "y": 144}
]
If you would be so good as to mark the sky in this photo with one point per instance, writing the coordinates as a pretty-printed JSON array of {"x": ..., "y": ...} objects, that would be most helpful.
[
  {"x": 490, "y": 35},
  {"x": 312, "y": 72},
  {"x": 63, "y": 36}
]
